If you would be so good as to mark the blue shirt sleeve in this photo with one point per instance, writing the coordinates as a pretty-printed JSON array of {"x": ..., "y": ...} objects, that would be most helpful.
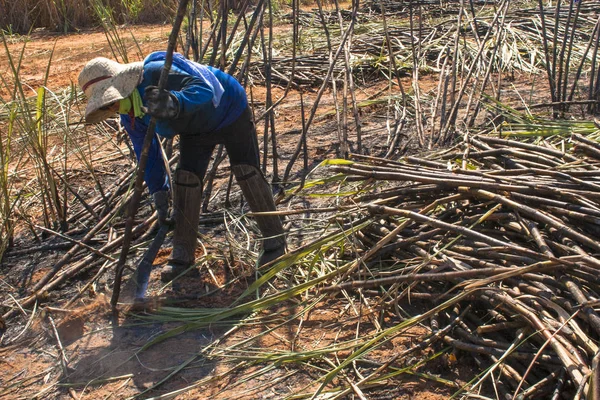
[
  {"x": 197, "y": 113},
  {"x": 193, "y": 94},
  {"x": 155, "y": 175}
]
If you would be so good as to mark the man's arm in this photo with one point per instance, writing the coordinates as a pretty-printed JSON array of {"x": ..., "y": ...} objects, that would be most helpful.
[
  {"x": 193, "y": 94},
  {"x": 155, "y": 175},
  {"x": 196, "y": 112}
]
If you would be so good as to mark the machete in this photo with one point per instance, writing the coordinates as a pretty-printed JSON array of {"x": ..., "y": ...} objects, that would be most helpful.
[{"x": 145, "y": 266}]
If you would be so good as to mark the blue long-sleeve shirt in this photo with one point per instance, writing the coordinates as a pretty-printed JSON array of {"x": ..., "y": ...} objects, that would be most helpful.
[{"x": 197, "y": 112}]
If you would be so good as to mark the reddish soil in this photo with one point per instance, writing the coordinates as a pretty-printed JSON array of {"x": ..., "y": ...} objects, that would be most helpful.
[
  {"x": 101, "y": 352},
  {"x": 67, "y": 54},
  {"x": 102, "y": 360}
]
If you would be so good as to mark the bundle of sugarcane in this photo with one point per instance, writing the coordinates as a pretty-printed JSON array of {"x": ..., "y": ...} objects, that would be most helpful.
[
  {"x": 402, "y": 7},
  {"x": 316, "y": 17}
]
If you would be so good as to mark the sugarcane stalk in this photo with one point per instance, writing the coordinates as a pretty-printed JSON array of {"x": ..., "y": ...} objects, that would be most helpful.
[{"x": 538, "y": 216}]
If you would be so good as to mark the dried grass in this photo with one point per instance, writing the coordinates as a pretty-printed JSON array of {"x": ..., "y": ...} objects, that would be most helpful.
[{"x": 70, "y": 15}]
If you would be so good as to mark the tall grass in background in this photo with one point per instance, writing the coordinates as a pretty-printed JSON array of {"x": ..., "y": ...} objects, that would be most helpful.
[
  {"x": 22, "y": 16},
  {"x": 10, "y": 161},
  {"x": 36, "y": 147},
  {"x": 31, "y": 123},
  {"x": 7, "y": 201}
]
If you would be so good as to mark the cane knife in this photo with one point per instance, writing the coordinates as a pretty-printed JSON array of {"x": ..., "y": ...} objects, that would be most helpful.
[{"x": 145, "y": 266}]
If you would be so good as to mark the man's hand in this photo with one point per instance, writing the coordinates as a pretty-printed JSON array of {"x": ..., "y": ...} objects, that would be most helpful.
[
  {"x": 161, "y": 203},
  {"x": 160, "y": 104}
]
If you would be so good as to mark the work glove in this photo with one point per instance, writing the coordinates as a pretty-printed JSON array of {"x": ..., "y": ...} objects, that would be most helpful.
[
  {"x": 160, "y": 104},
  {"x": 161, "y": 203}
]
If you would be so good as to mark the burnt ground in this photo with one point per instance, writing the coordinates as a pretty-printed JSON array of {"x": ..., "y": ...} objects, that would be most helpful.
[{"x": 94, "y": 354}]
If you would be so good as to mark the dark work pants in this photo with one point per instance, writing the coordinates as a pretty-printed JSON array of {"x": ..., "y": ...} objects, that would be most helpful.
[{"x": 239, "y": 139}]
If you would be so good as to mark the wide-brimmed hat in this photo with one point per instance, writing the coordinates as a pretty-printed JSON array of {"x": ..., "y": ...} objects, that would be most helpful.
[{"x": 105, "y": 82}]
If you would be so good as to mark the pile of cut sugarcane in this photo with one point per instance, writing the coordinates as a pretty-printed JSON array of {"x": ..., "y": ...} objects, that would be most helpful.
[
  {"x": 508, "y": 230},
  {"x": 491, "y": 245}
]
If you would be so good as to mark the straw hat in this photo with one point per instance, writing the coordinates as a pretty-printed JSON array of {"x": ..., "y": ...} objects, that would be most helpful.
[{"x": 106, "y": 81}]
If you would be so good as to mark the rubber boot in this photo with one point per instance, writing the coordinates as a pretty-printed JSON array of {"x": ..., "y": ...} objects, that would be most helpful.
[
  {"x": 187, "y": 197},
  {"x": 257, "y": 192}
]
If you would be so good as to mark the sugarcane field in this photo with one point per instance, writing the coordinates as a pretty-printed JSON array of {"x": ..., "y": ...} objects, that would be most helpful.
[{"x": 300, "y": 199}]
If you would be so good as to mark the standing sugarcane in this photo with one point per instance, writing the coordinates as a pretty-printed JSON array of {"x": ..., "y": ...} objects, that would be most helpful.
[{"x": 205, "y": 107}]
